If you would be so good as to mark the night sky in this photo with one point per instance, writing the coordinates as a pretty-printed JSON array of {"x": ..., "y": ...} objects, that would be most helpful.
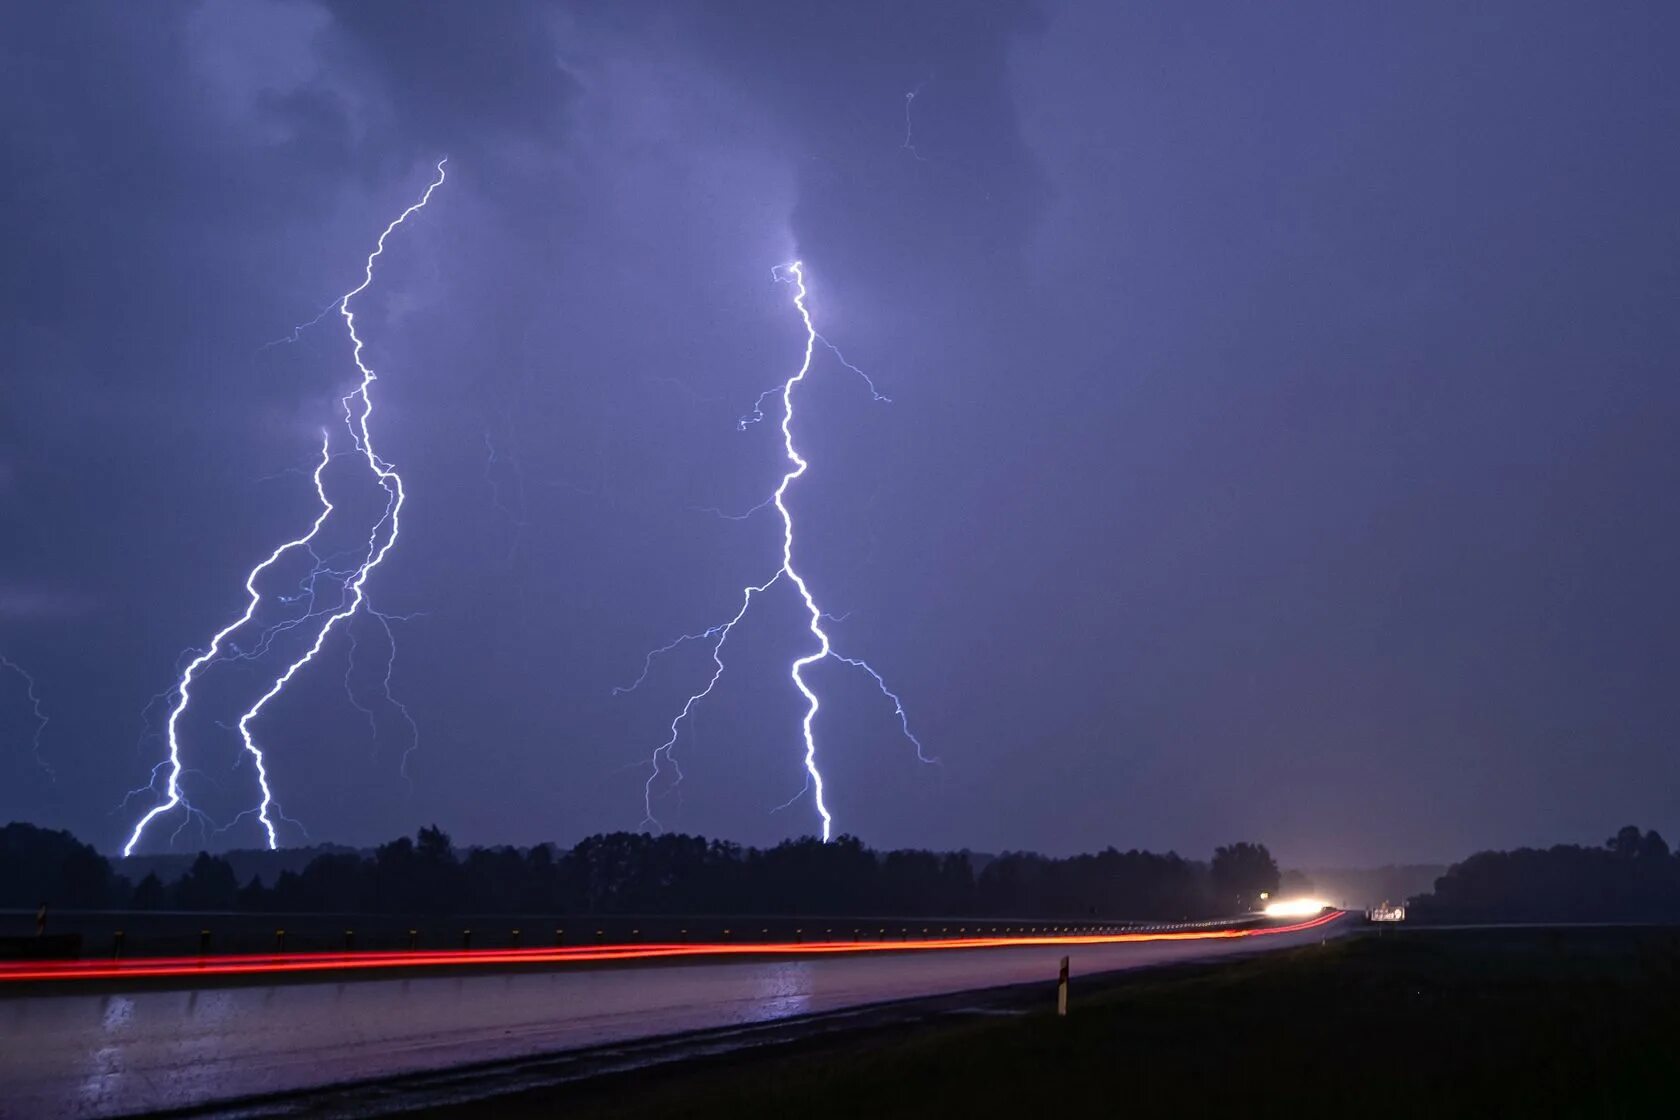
[{"x": 1281, "y": 446}]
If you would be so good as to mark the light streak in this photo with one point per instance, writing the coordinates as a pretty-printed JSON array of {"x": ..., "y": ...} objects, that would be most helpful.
[
  {"x": 747, "y": 420},
  {"x": 297, "y": 331},
  {"x": 375, "y": 960},
  {"x": 898, "y": 705},
  {"x": 794, "y": 274},
  {"x": 664, "y": 749},
  {"x": 183, "y": 688},
  {"x": 385, "y": 621},
  {"x": 349, "y": 689},
  {"x": 40, "y": 716},
  {"x": 717, "y": 511},
  {"x": 874, "y": 394},
  {"x": 356, "y": 578},
  {"x": 800, "y": 466},
  {"x": 389, "y": 480},
  {"x": 402, "y": 709}
]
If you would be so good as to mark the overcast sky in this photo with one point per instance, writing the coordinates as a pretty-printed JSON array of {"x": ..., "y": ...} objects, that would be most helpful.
[{"x": 1281, "y": 438}]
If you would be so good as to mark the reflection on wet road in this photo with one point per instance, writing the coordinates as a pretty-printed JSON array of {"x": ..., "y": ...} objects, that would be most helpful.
[{"x": 101, "y": 1054}]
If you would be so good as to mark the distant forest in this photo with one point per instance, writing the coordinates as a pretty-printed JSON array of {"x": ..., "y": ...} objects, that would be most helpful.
[
  {"x": 1632, "y": 878},
  {"x": 636, "y": 873}
]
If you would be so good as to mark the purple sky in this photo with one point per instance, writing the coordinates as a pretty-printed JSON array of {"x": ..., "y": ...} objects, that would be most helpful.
[{"x": 1281, "y": 444}]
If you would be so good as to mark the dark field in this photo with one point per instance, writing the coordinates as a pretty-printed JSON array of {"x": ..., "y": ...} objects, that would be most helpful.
[{"x": 1516, "y": 1022}]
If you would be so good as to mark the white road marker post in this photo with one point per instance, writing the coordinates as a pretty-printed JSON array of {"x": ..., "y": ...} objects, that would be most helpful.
[{"x": 1061, "y": 990}]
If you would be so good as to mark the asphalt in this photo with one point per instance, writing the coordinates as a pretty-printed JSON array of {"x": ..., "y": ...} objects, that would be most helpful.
[{"x": 392, "y": 1044}]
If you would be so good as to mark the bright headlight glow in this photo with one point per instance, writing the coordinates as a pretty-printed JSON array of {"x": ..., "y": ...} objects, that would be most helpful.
[{"x": 1295, "y": 907}]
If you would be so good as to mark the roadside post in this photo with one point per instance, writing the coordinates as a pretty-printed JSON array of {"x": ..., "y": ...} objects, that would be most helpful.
[{"x": 1061, "y": 990}]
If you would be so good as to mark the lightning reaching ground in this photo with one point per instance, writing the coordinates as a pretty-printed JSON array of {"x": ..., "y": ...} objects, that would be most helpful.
[
  {"x": 663, "y": 755},
  {"x": 32, "y": 693},
  {"x": 358, "y": 411},
  {"x": 173, "y": 795}
]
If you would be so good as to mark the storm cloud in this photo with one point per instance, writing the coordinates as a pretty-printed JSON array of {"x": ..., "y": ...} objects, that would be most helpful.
[{"x": 1279, "y": 446}]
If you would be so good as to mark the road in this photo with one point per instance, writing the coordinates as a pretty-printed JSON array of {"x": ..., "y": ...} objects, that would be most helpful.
[{"x": 78, "y": 1052}]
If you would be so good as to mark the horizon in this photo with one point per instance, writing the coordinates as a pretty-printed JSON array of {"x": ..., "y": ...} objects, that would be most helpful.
[
  {"x": 1284, "y": 860},
  {"x": 1055, "y": 421}
]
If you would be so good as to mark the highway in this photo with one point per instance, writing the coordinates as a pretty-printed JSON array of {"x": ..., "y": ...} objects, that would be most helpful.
[{"x": 85, "y": 1049}]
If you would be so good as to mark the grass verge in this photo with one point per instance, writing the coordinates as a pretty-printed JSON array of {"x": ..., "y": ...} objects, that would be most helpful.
[{"x": 1561, "y": 1022}]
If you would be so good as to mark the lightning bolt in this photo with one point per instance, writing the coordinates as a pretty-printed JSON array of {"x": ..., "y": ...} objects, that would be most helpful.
[
  {"x": 664, "y": 749},
  {"x": 297, "y": 331},
  {"x": 800, "y": 466},
  {"x": 508, "y": 459},
  {"x": 663, "y": 755},
  {"x": 183, "y": 688},
  {"x": 358, "y": 411},
  {"x": 402, "y": 709},
  {"x": 40, "y": 716}
]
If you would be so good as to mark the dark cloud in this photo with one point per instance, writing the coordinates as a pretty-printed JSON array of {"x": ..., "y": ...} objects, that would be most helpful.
[
  {"x": 457, "y": 78},
  {"x": 837, "y": 74},
  {"x": 1279, "y": 442},
  {"x": 24, "y": 604}
]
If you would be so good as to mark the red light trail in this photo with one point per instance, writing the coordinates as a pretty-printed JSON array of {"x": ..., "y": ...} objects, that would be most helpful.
[{"x": 303, "y": 963}]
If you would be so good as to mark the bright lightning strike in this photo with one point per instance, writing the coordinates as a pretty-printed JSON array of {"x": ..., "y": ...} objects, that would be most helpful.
[
  {"x": 389, "y": 480},
  {"x": 800, "y": 466},
  {"x": 40, "y": 716},
  {"x": 358, "y": 410},
  {"x": 663, "y": 755},
  {"x": 183, "y": 688}
]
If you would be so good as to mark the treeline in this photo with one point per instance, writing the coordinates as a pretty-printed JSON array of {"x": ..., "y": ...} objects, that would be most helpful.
[
  {"x": 635, "y": 873},
  {"x": 1632, "y": 878}
]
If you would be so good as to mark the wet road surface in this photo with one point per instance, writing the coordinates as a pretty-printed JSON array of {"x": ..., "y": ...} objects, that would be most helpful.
[{"x": 108, "y": 1053}]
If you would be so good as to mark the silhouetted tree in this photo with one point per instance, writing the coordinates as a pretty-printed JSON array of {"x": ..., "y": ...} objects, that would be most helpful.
[
  {"x": 207, "y": 885},
  {"x": 1631, "y": 878},
  {"x": 252, "y": 896},
  {"x": 331, "y": 883},
  {"x": 625, "y": 873},
  {"x": 149, "y": 894},
  {"x": 1241, "y": 872},
  {"x": 925, "y": 883},
  {"x": 808, "y": 876},
  {"x": 539, "y": 885},
  {"x": 1626, "y": 842},
  {"x": 43, "y": 866},
  {"x": 1653, "y": 846}
]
